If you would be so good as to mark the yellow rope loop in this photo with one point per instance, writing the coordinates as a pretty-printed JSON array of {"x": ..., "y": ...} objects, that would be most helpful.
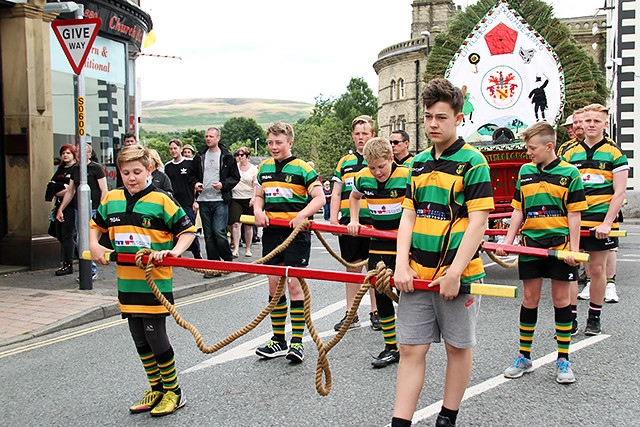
[
  {"x": 335, "y": 255},
  {"x": 148, "y": 269},
  {"x": 383, "y": 281},
  {"x": 500, "y": 262}
]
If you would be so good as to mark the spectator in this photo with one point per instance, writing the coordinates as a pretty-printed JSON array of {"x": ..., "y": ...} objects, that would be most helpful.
[
  {"x": 158, "y": 177},
  {"x": 217, "y": 174},
  {"x": 65, "y": 230},
  {"x": 180, "y": 172},
  {"x": 242, "y": 202},
  {"x": 97, "y": 181},
  {"x": 128, "y": 139},
  {"x": 188, "y": 151},
  {"x": 326, "y": 187}
]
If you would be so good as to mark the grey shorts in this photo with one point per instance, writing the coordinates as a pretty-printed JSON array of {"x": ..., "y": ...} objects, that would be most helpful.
[{"x": 423, "y": 318}]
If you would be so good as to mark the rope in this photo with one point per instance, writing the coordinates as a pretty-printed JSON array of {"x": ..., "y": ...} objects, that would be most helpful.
[
  {"x": 501, "y": 263},
  {"x": 323, "y": 372}
]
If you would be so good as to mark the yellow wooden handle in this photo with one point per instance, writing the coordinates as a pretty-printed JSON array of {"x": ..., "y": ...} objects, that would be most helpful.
[{"x": 248, "y": 219}]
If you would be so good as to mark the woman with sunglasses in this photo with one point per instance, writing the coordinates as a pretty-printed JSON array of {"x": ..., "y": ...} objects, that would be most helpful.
[{"x": 242, "y": 201}]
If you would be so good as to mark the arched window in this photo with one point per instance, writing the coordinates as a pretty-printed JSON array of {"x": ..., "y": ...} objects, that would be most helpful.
[
  {"x": 393, "y": 90},
  {"x": 403, "y": 123},
  {"x": 401, "y": 89},
  {"x": 392, "y": 123}
]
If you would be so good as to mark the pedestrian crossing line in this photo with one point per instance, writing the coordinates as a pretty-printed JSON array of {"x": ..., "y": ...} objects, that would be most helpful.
[
  {"x": 494, "y": 382},
  {"x": 97, "y": 328}
]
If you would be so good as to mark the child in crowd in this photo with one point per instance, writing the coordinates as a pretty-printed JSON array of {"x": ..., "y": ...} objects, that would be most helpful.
[
  {"x": 383, "y": 184},
  {"x": 135, "y": 217},
  {"x": 548, "y": 199},
  {"x": 284, "y": 185},
  {"x": 445, "y": 210}
]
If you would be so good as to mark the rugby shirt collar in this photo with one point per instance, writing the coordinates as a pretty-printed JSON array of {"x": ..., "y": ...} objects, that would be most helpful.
[
  {"x": 449, "y": 151},
  {"x": 280, "y": 165},
  {"x": 132, "y": 199},
  {"x": 401, "y": 161},
  {"x": 550, "y": 166},
  {"x": 382, "y": 185}
]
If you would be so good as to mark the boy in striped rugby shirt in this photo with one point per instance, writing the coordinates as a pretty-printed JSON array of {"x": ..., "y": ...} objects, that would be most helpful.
[
  {"x": 283, "y": 186},
  {"x": 135, "y": 217},
  {"x": 353, "y": 249},
  {"x": 547, "y": 203},
  {"x": 445, "y": 210},
  {"x": 383, "y": 183},
  {"x": 604, "y": 170}
]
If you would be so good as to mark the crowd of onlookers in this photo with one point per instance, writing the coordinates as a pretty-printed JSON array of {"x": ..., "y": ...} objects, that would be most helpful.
[{"x": 214, "y": 193}]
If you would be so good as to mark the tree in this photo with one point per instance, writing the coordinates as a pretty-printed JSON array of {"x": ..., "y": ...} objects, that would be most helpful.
[
  {"x": 325, "y": 136},
  {"x": 194, "y": 137},
  {"x": 357, "y": 100},
  {"x": 242, "y": 130}
]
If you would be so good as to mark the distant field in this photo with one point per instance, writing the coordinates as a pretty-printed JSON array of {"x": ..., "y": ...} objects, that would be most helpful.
[{"x": 201, "y": 113}]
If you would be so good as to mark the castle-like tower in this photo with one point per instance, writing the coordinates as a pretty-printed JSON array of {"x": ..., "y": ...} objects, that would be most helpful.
[{"x": 400, "y": 69}]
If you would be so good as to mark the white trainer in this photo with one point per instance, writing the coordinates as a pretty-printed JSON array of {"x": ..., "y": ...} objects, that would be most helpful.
[
  {"x": 584, "y": 295},
  {"x": 611, "y": 294}
]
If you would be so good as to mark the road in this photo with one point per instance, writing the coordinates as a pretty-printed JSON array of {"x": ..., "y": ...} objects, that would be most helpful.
[{"x": 91, "y": 374}]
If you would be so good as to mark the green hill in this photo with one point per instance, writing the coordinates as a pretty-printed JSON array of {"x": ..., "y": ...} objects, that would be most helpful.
[{"x": 201, "y": 113}]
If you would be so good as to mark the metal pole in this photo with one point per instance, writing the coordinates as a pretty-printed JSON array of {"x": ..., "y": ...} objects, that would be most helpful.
[
  {"x": 255, "y": 146},
  {"x": 84, "y": 191}
]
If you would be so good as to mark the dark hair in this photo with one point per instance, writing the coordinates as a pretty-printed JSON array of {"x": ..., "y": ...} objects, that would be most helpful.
[
  {"x": 442, "y": 90},
  {"x": 129, "y": 135},
  {"x": 403, "y": 134}
]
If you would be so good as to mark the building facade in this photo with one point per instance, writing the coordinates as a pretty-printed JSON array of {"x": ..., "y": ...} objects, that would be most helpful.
[{"x": 38, "y": 111}]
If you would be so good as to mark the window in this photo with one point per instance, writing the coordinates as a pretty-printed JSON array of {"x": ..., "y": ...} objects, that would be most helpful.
[
  {"x": 400, "y": 88},
  {"x": 393, "y": 90},
  {"x": 392, "y": 123},
  {"x": 403, "y": 122}
]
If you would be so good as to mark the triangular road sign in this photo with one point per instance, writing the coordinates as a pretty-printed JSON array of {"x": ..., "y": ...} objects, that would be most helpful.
[{"x": 76, "y": 36}]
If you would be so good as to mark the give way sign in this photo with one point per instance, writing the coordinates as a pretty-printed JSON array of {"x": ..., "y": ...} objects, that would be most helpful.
[{"x": 76, "y": 36}]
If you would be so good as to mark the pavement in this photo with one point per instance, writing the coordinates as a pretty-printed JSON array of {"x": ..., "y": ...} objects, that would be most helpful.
[{"x": 37, "y": 303}]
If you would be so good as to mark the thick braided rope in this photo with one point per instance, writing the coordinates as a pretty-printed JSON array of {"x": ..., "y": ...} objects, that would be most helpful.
[
  {"x": 335, "y": 255},
  {"x": 148, "y": 268},
  {"x": 323, "y": 370},
  {"x": 501, "y": 263}
]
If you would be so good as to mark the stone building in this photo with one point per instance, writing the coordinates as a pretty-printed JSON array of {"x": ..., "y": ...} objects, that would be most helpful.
[{"x": 38, "y": 111}]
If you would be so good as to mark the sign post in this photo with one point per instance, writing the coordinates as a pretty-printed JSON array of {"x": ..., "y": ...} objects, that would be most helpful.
[{"x": 76, "y": 36}]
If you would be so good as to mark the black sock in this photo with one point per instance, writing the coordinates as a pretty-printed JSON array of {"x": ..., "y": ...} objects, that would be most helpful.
[
  {"x": 452, "y": 415},
  {"x": 400, "y": 422}
]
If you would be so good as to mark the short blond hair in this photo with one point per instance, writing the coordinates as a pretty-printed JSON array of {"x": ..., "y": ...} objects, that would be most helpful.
[
  {"x": 596, "y": 107},
  {"x": 578, "y": 111},
  {"x": 377, "y": 148},
  {"x": 540, "y": 128},
  {"x": 133, "y": 153},
  {"x": 361, "y": 120},
  {"x": 278, "y": 128}
]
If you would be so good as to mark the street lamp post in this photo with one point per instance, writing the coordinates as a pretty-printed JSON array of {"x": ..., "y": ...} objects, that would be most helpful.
[{"x": 255, "y": 146}]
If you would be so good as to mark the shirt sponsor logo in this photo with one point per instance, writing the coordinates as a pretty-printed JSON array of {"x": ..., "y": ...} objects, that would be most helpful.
[
  {"x": 132, "y": 239},
  {"x": 114, "y": 219},
  {"x": 432, "y": 214},
  {"x": 287, "y": 193},
  {"x": 267, "y": 177},
  {"x": 349, "y": 181},
  {"x": 388, "y": 209},
  {"x": 593, "y": 178}
]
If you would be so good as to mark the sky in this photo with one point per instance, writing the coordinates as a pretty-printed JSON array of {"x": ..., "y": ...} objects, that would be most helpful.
[{"x": 280, "y": 49}]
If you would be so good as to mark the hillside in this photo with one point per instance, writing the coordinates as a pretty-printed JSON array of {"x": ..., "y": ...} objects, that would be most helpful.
[{"x": 201, "y": 113}]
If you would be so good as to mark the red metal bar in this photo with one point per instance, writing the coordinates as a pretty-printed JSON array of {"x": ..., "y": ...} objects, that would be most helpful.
[
  {"x": 583, "y": 233},
  {"x": 307, "y": 273}
]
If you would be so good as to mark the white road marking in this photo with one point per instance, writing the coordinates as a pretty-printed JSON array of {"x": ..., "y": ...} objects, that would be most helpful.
[
  {"x": 247, "y": 349},
  {"x": 494, "y": 382}
]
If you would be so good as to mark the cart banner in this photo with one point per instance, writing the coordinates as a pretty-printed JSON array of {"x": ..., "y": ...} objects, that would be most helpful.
[{"x": 510, "y": 76}]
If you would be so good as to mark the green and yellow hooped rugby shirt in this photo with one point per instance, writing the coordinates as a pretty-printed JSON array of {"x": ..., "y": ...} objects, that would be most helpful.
[{"x": 344, "y": 175}]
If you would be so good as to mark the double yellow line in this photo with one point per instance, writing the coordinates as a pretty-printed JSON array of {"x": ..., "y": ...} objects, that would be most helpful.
[{"x": 113, "y": 323}]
